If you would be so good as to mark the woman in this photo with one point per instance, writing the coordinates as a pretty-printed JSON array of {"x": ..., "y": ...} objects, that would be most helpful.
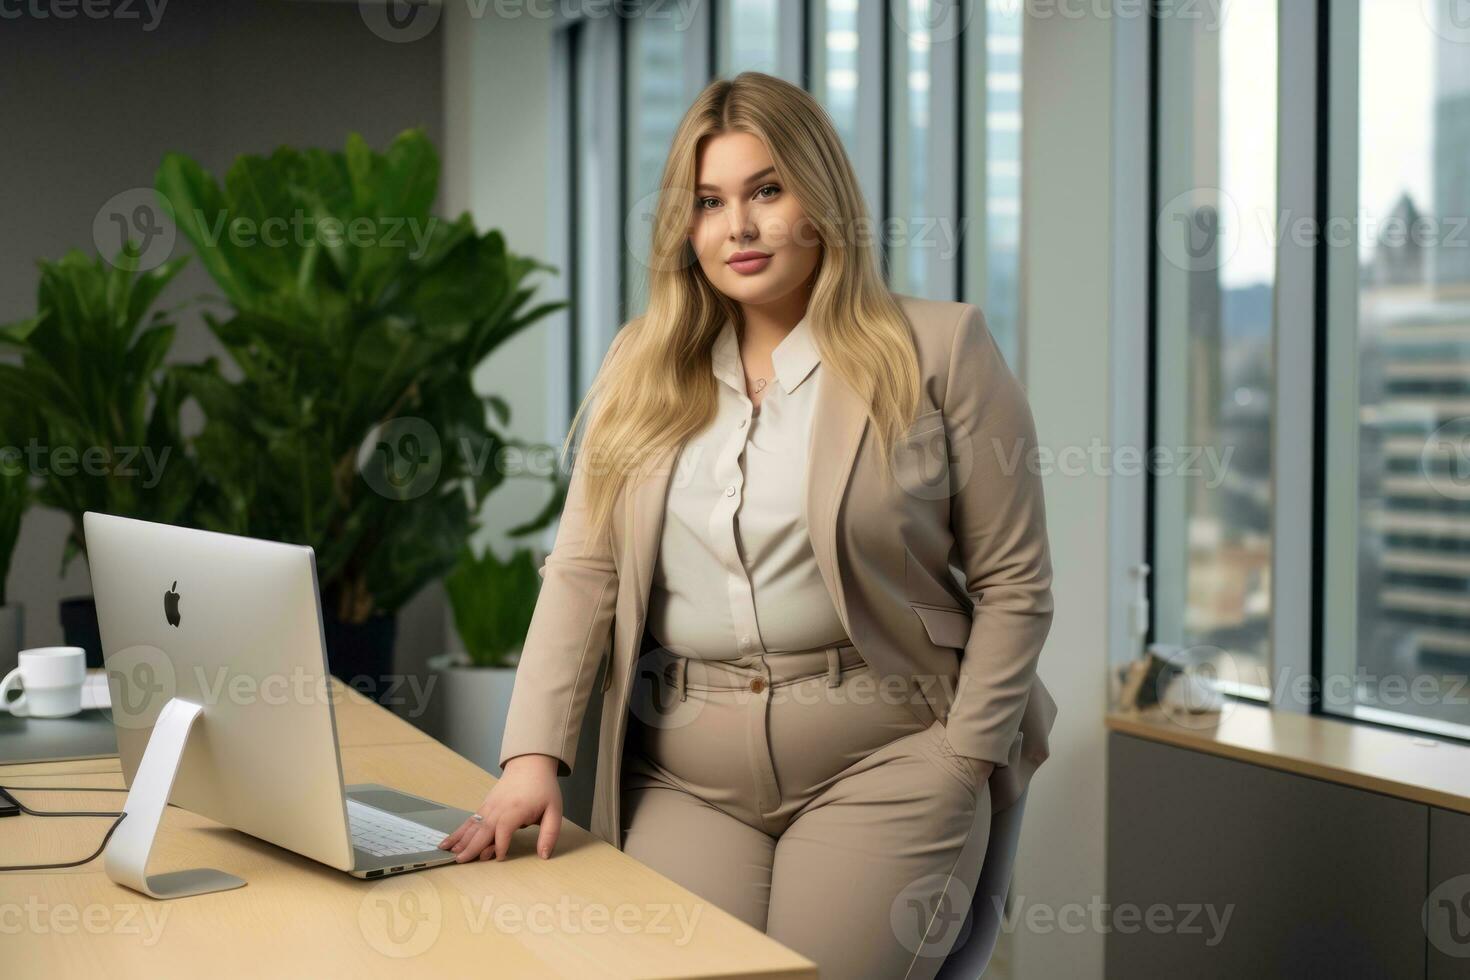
[{"x": 785, "y": 458}]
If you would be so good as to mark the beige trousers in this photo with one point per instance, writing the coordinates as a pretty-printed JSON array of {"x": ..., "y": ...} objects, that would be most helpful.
[{"x": 795, "y": 792}]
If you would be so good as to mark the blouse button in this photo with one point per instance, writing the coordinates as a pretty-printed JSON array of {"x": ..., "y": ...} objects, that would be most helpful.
[
  {"x": 742, "y": 422},
  {"x": 729, "y": 491}
]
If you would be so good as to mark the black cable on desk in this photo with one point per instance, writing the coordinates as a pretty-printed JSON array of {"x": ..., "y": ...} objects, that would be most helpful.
[{"x": 6, "y": 792}]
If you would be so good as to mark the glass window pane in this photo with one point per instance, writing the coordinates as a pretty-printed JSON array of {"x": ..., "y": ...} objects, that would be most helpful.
[
  {"x": 748, "y": 39},
  {"x": 594, "y": 202},
  {"x": 657, "y": 100},
  {"x": 1400, "y": 312},
  {"x": 835, "y": 69},
  {"x": 1002, "y": 180},
  {"x": 845, "y": 68},
  {"x": 1216, "y": 261},
  {"x": 911, "y": 262}
]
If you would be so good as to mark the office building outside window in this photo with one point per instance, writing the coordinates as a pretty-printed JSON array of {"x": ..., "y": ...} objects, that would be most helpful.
[
  {"x": 1214, "y": 365},
  {"x": 1398, "y": 542}
]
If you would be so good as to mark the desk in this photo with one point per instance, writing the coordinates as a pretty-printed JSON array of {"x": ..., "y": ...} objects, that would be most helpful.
[{"x": 589, "y": 911}]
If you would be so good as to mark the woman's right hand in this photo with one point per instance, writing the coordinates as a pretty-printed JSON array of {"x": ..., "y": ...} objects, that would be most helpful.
[{"x": 527, "y": 793}]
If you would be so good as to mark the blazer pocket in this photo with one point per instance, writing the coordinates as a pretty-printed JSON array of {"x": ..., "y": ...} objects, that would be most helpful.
[
  {"x": 921, "y": 458},
  {"x": 946, "y": 626},
  {"x": 925, "y": 422}
]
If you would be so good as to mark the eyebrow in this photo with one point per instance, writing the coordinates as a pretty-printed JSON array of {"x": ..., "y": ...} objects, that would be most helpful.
[{"x": 748, "y": 181}]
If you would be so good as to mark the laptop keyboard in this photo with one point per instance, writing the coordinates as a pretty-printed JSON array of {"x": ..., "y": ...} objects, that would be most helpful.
[{"x": 382, "y": 834}]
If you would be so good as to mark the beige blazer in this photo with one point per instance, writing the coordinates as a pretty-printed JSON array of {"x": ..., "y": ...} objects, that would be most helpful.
[{"x": 969, "y": 495}]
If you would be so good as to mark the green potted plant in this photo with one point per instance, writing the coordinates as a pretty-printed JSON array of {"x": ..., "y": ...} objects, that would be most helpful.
[
  {"x": 93, "y": 408},
  {"x": 492, "y": 602},
  {"x": 355, "y": 319}
]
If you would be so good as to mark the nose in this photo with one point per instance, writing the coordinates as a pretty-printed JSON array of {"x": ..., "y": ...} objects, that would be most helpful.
[{"x": 742, "y": 225}]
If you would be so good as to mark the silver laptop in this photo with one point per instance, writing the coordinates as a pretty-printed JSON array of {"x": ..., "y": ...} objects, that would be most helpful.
[{"x": 235, "y": 624}]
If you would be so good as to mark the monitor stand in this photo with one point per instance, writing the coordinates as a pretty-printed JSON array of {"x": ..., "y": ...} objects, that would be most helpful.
[{"x": 127, "y": 853}]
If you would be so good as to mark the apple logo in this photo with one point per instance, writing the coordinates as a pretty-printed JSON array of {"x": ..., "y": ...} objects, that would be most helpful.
[{"x": 171, "y": 605}]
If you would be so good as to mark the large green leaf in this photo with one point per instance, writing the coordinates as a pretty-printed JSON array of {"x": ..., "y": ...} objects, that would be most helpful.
[
  {"x": 90, "y": 394},
  {"x": 493, "y": 602},
  {"x": 374, "y": 312}
]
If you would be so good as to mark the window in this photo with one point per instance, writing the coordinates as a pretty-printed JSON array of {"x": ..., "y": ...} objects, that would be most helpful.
[
  {"x": 835, "y": 67},
  {"x": 922, "y": 231},
  {"x": 1215, "y": 278},
  {"x": 1312, "y": 189},
  {"x": 1398, "y": 543},
  {"x": 749, "y": 35},
  {"x": 657, "y": 97},
  {"x": 846, "y": 72},
  {"x": 992, "y": 120},
  {"x": 590, "y": 211}
]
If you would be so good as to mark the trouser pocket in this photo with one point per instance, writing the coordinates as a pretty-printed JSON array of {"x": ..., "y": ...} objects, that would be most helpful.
[{"x": 937, "y": 748}]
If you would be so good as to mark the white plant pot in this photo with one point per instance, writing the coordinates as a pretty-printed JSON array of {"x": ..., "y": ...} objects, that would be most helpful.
[{"x": 473, "y": 704}]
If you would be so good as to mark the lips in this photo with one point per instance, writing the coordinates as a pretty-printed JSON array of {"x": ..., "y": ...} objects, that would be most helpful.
[{"x": 748, "y": 263}]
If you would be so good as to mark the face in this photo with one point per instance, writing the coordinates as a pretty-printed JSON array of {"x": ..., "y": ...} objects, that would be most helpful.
[{"x": 743, "y": 211}]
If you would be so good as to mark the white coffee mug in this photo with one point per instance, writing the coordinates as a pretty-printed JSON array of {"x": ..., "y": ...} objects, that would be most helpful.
[{"x": 50, "y": 680}]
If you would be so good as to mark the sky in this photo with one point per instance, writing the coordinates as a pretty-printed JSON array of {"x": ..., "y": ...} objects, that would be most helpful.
[{"x": 1396, "y": 52}]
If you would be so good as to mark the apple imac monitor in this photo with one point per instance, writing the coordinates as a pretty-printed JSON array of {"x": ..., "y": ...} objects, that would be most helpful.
[{"x": 233, "y": 625}]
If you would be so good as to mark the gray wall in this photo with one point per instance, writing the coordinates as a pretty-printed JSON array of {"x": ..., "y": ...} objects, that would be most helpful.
[
  {"x": 498, "y": 151},
  {"x": 90, "y": 108}
]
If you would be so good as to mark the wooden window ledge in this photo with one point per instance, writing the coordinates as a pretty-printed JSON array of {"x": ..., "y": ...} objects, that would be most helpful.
[{"x": 1402, "y": 764}]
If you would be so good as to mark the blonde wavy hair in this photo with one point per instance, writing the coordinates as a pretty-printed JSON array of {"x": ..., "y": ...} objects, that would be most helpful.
[{"x": 658, "y": 389}]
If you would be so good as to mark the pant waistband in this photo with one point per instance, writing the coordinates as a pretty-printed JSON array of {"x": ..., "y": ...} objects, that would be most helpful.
[{"x": 776, "y": 669}]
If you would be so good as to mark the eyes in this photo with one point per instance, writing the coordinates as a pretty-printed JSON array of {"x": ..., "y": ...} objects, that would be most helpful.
[{"x": 776, "y": 188}]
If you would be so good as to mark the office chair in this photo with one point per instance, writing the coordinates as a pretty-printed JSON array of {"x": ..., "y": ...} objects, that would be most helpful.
[{"x": 976, "y": 938}]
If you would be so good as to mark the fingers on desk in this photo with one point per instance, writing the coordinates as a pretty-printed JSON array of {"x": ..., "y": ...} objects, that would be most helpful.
[
  {"x": 475, "y": 840},
  {"x": 550, "y": 830},
  {"x": 461, "y": 835},
  {"x": 504, "y": 828}
]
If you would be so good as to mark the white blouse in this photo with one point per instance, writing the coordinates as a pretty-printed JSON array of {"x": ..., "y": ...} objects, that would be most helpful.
[{"x": 736, "y": 574}]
